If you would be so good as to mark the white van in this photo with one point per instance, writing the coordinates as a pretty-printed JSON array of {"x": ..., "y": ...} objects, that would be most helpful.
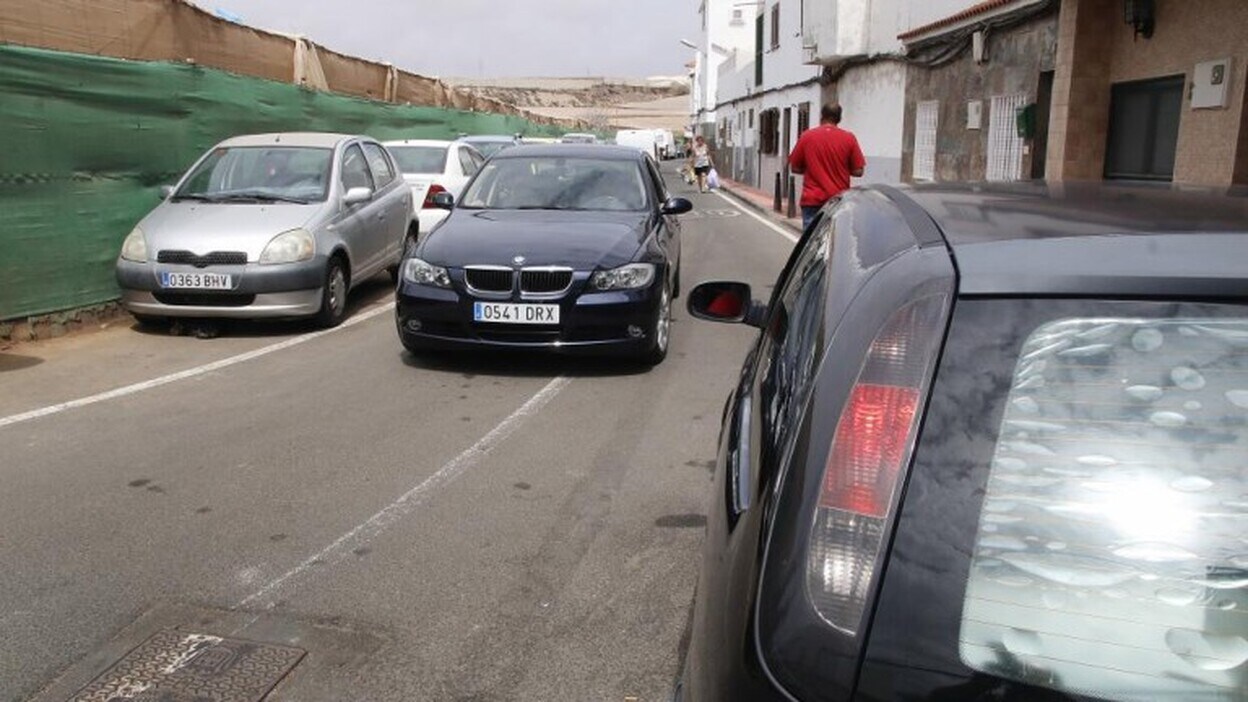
[{"x": 644, "y": 139}]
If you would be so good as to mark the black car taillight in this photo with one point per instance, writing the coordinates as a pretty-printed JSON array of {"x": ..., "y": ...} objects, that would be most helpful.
[{"x": 873, "y": 442}]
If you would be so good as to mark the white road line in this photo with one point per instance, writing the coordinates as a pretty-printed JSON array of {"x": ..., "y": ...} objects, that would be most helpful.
[
  {"x": 190, "y": 372},
  {"x": 787, "y": 234},
  {"x": 372, "y": 527}
]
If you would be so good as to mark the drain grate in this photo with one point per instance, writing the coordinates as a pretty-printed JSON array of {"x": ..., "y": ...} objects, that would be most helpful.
[{"x": 174, "y": 666}]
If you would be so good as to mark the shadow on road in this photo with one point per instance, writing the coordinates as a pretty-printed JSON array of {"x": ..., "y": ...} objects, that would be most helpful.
[
  {"x": 522, "y": 364},
  {"x": 12, "y": 362}
]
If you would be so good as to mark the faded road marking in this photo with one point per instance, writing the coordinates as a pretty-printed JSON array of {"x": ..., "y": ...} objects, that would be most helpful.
[
  {"x": 190, "y": 372},
  {"x": 782, "y": 231},
  {"x": 368, "y": 530}
]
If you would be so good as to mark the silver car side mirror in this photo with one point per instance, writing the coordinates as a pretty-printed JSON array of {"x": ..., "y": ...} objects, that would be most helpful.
[
  {"x": 166, "y": 191},
  {"x": 355, "y": 196}
]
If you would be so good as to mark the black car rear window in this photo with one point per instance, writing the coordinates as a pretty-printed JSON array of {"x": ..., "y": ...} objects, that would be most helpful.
[{"x": 1081, "y": 494}]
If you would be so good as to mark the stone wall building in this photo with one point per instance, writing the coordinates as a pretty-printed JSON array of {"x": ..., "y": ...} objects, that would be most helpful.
[
  {"x": 1149, "y": 90},
  {"x": 969, "y": 76}
]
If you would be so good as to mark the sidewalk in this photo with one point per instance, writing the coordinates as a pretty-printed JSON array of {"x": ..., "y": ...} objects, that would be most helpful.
[{"x": 762, "y": 202}]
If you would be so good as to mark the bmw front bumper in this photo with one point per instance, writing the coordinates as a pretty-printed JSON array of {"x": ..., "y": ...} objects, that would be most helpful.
[{"x": 612, "y": 322}]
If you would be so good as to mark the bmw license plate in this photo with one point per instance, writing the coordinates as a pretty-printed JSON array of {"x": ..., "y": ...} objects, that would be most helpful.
[
  {"x": 513, "y": 313},
  {"x": 196, "y": 281}
]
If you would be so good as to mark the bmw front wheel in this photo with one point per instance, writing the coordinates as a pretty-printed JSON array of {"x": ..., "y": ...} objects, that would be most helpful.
[{"x": 661, "y": 330}]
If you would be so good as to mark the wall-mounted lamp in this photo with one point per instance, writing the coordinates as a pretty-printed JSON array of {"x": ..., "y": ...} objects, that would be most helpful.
[{"x": 1141, "y": 15}]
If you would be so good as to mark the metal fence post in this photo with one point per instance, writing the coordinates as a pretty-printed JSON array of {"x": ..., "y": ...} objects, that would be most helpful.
[
  {"x": 792, "y": 198},
  {"x": 778, "y": 202}
]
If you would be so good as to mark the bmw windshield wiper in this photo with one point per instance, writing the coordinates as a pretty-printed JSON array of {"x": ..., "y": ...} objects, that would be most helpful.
[{"x": 201, "y": 197}]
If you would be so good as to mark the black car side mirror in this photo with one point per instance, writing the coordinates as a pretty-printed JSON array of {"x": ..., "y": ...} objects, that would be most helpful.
[
  {"x": 444, "y": 200},
  {"x": 676, "y": 206},
  {"x": 728, "y": 302}
]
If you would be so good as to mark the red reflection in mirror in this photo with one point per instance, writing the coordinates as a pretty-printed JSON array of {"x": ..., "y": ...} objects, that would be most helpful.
[{"x": 726, "y": 304}]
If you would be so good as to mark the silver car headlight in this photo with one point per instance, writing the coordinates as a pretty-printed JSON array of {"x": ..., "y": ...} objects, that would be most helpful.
[
  {"x": 629, "y": 277},
  {"x": 289, "y": 247},
  {"x": 134, "y": 248},
  {"x": 424, "y": 273}
]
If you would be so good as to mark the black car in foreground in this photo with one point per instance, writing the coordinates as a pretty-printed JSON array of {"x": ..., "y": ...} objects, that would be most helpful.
[
  {"x": 990, "y": 444},
  {"x": 562, "y": 248}
]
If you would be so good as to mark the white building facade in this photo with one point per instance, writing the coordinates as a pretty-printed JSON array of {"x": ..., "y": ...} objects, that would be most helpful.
[
  {"x": 726, "y": 30},
  {"x": 800, "y": 55}
]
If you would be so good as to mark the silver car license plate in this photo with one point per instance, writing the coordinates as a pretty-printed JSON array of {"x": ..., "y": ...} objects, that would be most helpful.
[
  {"x": 196, "y": 281},
  {"x": 514, "y": 313}
]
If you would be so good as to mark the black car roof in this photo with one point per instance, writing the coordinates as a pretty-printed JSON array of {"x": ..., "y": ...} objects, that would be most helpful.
[
  {"x": 1092, "y": 239},
  {"x": 603, "y": 151}
]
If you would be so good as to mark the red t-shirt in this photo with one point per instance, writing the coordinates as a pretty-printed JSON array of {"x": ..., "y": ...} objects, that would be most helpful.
[{"x": 825, "y": 156}]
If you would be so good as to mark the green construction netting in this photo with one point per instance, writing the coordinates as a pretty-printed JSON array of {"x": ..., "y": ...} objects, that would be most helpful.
[{"x": 85, "y": 143}]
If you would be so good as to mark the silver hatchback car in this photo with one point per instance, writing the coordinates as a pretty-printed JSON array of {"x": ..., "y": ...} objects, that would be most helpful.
[{"x": 269, "y": 225}]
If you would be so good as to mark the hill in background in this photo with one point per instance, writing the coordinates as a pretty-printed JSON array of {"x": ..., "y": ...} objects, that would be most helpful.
[{"x": 605, "y": 103}]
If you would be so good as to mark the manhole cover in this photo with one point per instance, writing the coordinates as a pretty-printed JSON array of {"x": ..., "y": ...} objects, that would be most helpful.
[{"x": 174, "y": 666}]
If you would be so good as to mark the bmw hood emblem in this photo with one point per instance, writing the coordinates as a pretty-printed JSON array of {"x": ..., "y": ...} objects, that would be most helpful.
[{"x": 518, "y": 260}]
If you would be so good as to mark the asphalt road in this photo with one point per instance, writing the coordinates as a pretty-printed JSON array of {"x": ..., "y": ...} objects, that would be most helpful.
[{"x": 463, "y": 528}]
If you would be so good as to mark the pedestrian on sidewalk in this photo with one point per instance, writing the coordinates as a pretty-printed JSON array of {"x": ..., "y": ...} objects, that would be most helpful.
[
  {"x": 827, "y": 156},
  {"x": 700, "y": 159}
]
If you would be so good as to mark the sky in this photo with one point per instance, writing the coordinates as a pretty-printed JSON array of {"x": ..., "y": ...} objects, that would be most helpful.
[{"x": 491, "y": 38}]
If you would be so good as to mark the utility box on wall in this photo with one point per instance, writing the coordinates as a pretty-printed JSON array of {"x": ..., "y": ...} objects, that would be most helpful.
[{"x": 1210, "y": 83}]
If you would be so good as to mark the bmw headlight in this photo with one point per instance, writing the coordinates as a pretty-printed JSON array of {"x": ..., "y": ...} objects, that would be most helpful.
[
  {"x": 423, "y": 273},
  {"x": 134, "y": 248},
  {"x": 629, "y": 277},
  {"x": 289, "y": 247}
]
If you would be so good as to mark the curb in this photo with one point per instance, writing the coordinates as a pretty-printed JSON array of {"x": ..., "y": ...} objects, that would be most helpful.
[{"x": 58, "y": 324}]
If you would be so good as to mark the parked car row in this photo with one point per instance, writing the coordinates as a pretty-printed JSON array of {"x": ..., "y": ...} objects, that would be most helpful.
[
  {"x": 987, "y": 443},
  {"x": 554, "y": 247}
]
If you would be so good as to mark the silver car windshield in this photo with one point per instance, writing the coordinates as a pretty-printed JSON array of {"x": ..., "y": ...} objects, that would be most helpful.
[
  {"x": 260, "y": 174},
  {"x": 557, "y": 183},
  {"x": 420, "y": 159}
]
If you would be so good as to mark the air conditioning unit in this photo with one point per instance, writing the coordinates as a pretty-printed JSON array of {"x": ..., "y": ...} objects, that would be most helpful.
[{"x": 810, "y": 48}]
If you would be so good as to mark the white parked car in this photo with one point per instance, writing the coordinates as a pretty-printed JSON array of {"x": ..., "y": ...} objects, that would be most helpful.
[{"x": 433, "y": 166}]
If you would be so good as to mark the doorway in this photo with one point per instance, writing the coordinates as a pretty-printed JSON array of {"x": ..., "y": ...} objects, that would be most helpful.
[{"x": 1040, "y": 144}]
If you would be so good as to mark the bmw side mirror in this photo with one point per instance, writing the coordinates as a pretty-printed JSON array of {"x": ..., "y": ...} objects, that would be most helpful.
[
  {"x": 444, "y": 200},
  {"x": 676, "y": 206},
  {"x": 355, "y": 196},
  {"x": 166, "y": 191},
  {"x": 728, "y": 302}
]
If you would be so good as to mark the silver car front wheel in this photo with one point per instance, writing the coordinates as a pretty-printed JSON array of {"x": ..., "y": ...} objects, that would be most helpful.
[{"x": 333, "y": 294}]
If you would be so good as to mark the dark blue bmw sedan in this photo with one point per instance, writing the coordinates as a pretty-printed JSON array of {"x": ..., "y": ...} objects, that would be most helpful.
[{"x": 553, "y": 247}]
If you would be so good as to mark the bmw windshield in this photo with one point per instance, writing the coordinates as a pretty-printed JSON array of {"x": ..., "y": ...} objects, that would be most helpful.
[{"x": 557, "y": 183}]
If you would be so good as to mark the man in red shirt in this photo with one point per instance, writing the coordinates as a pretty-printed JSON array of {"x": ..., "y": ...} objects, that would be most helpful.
[{"x": 827, "y": 156}]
